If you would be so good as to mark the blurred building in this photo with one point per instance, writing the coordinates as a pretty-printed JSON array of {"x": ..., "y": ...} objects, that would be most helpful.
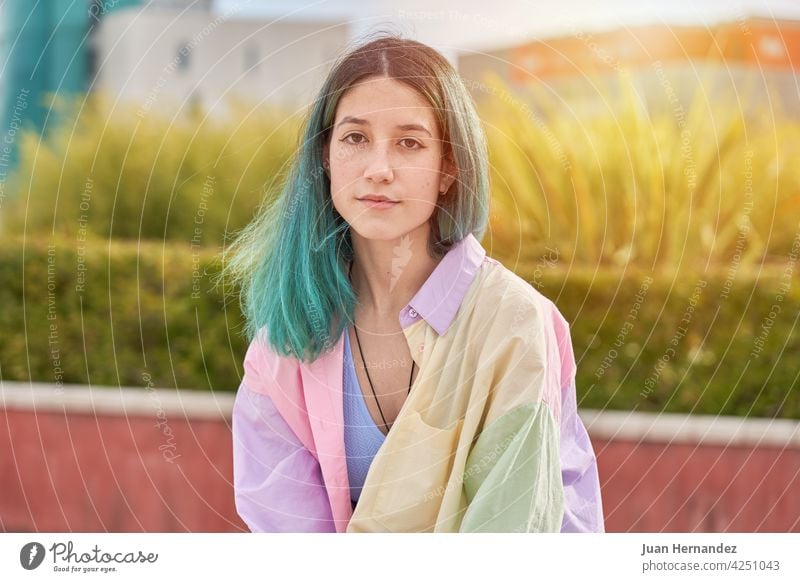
[
  {"x": 161, "y": 55},
  {"x": 753, "y": 59},
  {"x": 42, "y": 50}
]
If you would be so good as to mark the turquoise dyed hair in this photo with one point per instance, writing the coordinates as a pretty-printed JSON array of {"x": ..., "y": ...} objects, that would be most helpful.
[{"x": 290, "y": 260}]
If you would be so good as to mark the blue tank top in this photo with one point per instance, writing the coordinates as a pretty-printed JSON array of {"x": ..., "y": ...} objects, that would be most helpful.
[{"x": 362, "y": 437}]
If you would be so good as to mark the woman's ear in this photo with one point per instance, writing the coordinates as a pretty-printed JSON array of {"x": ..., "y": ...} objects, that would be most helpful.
[{"x": 449, "y": 172}]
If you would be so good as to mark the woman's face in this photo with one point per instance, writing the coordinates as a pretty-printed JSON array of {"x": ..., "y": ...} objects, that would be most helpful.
[{"x": 385, "y": 142}]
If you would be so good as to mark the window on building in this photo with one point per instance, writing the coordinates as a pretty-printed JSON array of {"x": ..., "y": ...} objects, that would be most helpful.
[
  {"x": 252, "y": 57},
  {"x": 182, "y": 56}
]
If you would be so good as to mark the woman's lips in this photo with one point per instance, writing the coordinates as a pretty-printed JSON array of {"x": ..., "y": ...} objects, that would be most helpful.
[{"x": 379, "y": 204}]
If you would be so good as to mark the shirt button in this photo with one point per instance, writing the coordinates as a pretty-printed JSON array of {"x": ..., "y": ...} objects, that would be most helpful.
[{"x": 412, "y": 313}]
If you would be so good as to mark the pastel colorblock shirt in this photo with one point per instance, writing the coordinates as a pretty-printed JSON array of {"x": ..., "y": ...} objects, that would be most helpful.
[{"x": 488, "y": 440}]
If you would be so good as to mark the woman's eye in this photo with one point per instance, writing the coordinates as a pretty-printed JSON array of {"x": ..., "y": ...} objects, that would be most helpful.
[
  {"x": 411, "y": 144},
  {"x": 347, "y": 139}
]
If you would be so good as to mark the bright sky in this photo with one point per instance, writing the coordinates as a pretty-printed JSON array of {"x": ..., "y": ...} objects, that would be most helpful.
[{"x": 453, "y": 27}]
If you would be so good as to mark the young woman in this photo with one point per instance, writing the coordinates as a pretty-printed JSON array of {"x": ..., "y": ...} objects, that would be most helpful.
[{"x": 397, "y": 378}]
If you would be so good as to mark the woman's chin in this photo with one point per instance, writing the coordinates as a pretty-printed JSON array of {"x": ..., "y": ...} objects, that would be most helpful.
[
  {"x": 385, "y": 227},
  {"x": 377, "y": 231}
]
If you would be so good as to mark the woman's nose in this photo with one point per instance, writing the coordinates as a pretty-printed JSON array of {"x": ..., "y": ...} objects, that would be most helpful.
[{"x": 379, "y": 165}]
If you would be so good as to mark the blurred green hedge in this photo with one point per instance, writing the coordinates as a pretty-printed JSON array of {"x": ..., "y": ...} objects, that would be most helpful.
[
  {"x": 151, "y": 308},
  {"x": 120, "y": 311},
  {"x": 729, "y": 356}
]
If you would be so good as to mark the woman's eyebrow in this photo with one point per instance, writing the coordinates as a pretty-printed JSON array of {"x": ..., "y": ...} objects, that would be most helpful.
[
  {"x": 349, "y": 119},
  {"x": 413, "y": 127},
  {"x": 404, "y": 127}
]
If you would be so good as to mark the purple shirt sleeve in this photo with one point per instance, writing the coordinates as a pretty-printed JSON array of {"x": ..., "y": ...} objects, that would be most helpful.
[
  {"x": 278, "y": 485},
  {"x": 583, "y": 507}
]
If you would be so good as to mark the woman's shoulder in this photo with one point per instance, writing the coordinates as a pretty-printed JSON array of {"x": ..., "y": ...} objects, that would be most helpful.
[
  {"x": 502, "y": 292},
  {"x": 264, "y": 367},
  {"x": 515, "y": 314}
]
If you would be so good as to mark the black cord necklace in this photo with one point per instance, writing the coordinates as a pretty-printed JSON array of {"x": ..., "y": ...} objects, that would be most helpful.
[{"x": 358, "y": 341}]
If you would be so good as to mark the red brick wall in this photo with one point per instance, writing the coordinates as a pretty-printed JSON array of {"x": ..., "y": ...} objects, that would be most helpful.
[
  {"x": 82, "y": 473},
  {"x": 658, "y": 487}
]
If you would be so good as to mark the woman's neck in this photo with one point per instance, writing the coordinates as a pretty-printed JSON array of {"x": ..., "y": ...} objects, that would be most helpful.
[{"x": 388, "y": 273}]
